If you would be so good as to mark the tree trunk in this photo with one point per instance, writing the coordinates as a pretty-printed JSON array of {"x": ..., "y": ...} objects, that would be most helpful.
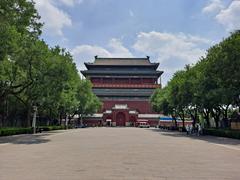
[
  {"x": 216, "y": 116},
  {"x": 81, "y": 121},
  {"x": 49, "y": 117},
  {"x": 60, "y": 118},
  {"x": 2, "y": 108},
  {"x": 66, "y": 121},
  {"x": 226, "y": 112},
  {"x": 206, "y": 117},
  {"x": 182, "y": 116},
  {"x": 4, "y": 103},
  {"x": 174, "y": 119},
  {"x": 194, "y": 117},
  {"x": 29, "y": 111},
  {"x": 208, "y": 120},
  {"x": 216, "y": 123},
  {"x": 183, "y": 121}
]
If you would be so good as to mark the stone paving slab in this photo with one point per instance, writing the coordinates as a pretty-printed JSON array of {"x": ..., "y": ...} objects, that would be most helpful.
[{"x": 118, "y": 153}]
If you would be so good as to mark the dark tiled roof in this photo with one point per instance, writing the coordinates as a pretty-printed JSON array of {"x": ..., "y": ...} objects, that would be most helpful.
[
  {"x": 119, "y": 72},
  {"x": 122, "y": 61}
]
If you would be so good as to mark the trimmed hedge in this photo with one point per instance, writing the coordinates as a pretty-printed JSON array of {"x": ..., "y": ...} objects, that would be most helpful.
[
  {"x": 14, "y": 131},
  {"x": 222, "y": 133},
  {"x": 51, "y": 128}
]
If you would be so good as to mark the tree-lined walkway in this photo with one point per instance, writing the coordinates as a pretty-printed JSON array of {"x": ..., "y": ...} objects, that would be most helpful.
[{"x": 118, "y": 153}]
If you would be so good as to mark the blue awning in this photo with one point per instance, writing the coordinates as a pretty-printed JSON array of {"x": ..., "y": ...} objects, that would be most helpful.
[{"x": 166, "y": 118}]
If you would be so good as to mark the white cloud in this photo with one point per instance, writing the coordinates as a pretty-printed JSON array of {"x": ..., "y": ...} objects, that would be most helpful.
[
  {"x": 55, "y": 19},
  {"x": 117, "y": 49},
  {"x": 227, "y": 15},
  {"x": 173, "y": 51},
  {"x": 166, "y": 45},
  {"x": 230, "y": 16},
  {"x": 70, "y": 2},
  {"x": 86, "y": 53},
  {"x": 214, "y": 6}
]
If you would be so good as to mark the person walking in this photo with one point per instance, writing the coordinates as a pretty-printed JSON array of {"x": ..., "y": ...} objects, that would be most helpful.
[
  {"x": 199, "y": 129},
  {"x": 187, "y": 129},
  {"x": 190, "y": 129}
]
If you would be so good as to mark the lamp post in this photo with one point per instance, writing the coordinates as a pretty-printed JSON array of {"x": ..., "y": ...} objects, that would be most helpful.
[{"x": 34, "y": 119}]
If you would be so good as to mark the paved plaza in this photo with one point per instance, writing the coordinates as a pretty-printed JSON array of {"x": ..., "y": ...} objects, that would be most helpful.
[{"x": 118, "y": 153}]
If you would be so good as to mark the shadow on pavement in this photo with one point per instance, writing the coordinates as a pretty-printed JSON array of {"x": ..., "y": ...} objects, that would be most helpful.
[
  {"x": 210, "y": 139},
  {"x": 25, "y": 139}
]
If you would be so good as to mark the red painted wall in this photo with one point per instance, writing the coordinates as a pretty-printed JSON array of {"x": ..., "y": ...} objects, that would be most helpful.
[
  {"x": 143, "y": 107},
  {"x": 124, "y": 80},
  {"x": 92, "y": 122}
]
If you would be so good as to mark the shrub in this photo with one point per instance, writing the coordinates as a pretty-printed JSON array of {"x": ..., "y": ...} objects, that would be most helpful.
[
  {"x": 51, "y": 128},
  {"x": 14, "y": 131},
  {"x": 223, "y": 133}
]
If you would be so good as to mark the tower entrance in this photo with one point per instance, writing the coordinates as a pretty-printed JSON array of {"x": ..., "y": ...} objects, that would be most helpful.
[{"x": 120, "y": 119}]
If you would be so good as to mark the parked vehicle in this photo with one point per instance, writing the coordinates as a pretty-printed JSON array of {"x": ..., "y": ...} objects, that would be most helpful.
[{"x": 144, "y": 125}]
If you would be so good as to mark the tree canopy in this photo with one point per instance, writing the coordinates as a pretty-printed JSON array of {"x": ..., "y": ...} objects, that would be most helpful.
[
  {"x": 34, "y": 74},
  {"x": 207, "y": 88}
]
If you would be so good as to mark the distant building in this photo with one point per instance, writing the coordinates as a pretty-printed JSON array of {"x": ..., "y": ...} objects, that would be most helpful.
[{"x": 124, "y": 85}]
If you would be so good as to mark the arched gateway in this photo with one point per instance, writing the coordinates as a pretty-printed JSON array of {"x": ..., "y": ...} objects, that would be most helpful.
[{"x": 120, "y": 119}]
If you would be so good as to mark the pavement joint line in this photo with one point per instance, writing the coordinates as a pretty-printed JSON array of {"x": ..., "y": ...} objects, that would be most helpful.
[{"x": 228, "y": 147}]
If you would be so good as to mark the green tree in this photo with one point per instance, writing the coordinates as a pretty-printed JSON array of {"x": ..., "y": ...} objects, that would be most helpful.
[
  {"x": 160, "y": 103},
  {"x": 19, "y": 24},
  {"x": 88, "y": 101},
  {"x": 210, "y": 87}
]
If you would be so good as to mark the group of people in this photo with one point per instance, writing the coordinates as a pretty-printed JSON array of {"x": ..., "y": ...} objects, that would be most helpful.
[{"x": 194, "y": 130}]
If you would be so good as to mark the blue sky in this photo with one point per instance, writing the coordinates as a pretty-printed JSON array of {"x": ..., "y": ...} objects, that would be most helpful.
[{"x": 172, "y": 32}]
